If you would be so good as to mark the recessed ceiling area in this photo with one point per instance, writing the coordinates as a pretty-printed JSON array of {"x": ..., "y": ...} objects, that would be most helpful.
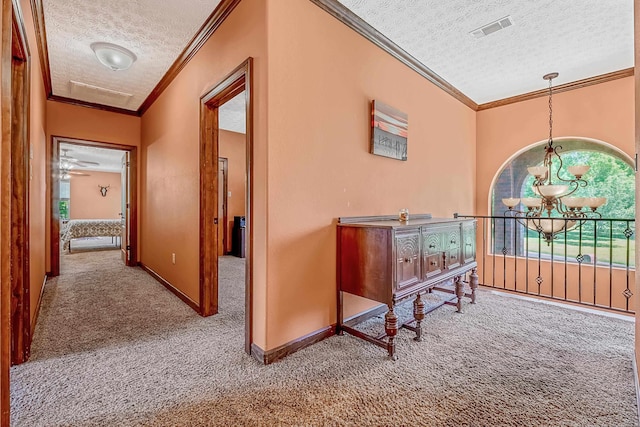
[
  {"x": 155, "y": 31},
  {"x": 577, "y": 38}
]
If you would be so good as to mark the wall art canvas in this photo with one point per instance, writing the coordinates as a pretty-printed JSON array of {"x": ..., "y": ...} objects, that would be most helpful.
[{"x": 389, "y": 131}]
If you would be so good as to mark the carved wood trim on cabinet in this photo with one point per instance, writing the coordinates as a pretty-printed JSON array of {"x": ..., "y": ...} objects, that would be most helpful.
[{"x": 388, "y": 261}]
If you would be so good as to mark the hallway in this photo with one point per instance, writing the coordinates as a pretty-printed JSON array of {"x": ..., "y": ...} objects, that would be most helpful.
[{"x": 113, "y": 347}]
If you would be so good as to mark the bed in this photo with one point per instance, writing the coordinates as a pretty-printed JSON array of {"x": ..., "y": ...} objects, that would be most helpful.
[{"x": 78, "y": 228}]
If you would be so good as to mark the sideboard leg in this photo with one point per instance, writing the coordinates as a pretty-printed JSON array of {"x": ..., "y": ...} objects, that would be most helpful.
[
  {"x": 418, "y": 314},
  {"x": 473, "y": 282},
  {"x": 459, "y": 293},
  {"x": 391, "y": 329}
]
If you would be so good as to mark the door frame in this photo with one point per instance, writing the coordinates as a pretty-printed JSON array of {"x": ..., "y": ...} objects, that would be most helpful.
[
  {"x": 225, "y": 206},
  {"x": 54, "y": 196},
  {"x": 234, "y": 83},
  {"x": 14, "y": 196},
  {"x": 20, "y": 184}
]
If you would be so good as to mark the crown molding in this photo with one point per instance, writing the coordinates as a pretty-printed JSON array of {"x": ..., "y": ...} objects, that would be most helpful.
[
  {"x": 217, "y": 17},
  {"x": 214, "y": 21},
  {"x": 353, "y": 21},
  {"x": 41, "y": 42},
  {"x": 334, "y": 8},
  {"x": 94, "y": 105},
  {"x": 579, "y": 84}
]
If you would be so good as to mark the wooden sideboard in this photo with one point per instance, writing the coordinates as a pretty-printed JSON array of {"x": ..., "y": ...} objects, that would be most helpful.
[{"x": 386, "y": 260}]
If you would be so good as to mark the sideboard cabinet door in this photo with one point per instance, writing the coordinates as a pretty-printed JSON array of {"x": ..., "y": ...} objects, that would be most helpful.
[
  {"x": 469, "y": 241},
  {"x": 407, "y": 245},
  {"x": 452, "y": 244},
  {"x": 432, "y": 253}
]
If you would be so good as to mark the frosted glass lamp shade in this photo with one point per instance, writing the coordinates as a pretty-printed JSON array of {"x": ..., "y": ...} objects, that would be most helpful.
[
  {"x": 552, "y": 190},
  {"x": 537, "y": 171},
  {"x": 574, "y": 202},
  {"x": 112, "y": 56},
  {"x": 578, "y": 170},
  {"x": 511, "y": 202},
  {"x": 532, "y": 202},
  {"x": 550, "y": 225},
  {"x": 595, "y": 202}
]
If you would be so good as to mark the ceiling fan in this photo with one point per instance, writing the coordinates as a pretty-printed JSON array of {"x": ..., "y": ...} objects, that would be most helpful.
[
  {"x": 68, "y": 162},
  {"x": 66, "y": 173}
]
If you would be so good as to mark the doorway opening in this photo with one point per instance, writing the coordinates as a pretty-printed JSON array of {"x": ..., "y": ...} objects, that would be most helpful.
[
  {"x": 93, "y": 198},
  {"x": 217, "y": 171}
]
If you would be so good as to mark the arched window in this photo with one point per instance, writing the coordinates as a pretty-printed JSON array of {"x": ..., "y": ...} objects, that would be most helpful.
[{"x": 611, "y": 176}]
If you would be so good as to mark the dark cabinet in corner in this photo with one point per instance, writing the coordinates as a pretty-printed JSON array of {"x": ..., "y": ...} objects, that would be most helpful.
[{"x": 386, "y": 260}]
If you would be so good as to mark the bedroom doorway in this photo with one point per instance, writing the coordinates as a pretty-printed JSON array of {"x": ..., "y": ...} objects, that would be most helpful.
[
  {"x": 104, "y": 214},
  {"x": 217, "y": 141}
]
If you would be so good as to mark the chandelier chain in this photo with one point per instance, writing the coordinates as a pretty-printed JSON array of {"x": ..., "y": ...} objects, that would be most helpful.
[{"x": 550, "y": 115}]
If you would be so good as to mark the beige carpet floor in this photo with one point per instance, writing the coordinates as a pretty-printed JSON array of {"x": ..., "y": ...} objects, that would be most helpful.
[{"x": 113, "y": 348}]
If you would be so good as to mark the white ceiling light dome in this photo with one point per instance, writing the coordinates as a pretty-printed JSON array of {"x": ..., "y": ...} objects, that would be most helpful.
[{"x": 112, "y": 56}]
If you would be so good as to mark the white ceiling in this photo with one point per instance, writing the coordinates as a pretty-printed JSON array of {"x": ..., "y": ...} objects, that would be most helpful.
[
  {"x": 232, "y": 114},
  {"x": 155, "y": 31},
  {"x": 577, "y": 38},
  {"x": 109, "y": 160}
]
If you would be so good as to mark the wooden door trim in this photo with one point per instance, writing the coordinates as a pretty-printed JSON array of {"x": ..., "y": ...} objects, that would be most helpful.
[
  {"x": 5, "y": 208},
  {"x": 20, "y": 252},
  {"x": 225, "y": 205},
  {"x": 14, "y": 197},
  {"x": 54, "y": 195},
  {"x": 234, "y": 83}
]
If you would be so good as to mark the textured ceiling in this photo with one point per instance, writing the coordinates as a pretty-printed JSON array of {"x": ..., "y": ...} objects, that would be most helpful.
[
  {"x": 109, "y": 160},
  {"x": 155, "y": 31},
  {"x": 577, "y": 38},
  {"x": 232, "y": 114}
]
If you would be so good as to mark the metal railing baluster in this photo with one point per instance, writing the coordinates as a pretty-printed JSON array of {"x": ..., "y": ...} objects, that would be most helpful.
[{"x": 620, "y": 266}]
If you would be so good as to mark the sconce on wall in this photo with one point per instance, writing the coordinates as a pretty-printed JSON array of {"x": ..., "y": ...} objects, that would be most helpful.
[{"x": 103, "y": 190}]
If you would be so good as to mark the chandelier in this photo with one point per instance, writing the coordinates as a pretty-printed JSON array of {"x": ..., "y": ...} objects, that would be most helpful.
[{"x": 554, "y": 193}]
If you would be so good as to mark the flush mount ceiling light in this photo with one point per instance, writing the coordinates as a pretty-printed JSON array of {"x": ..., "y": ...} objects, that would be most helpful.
[{"x": 112, "y": 56}]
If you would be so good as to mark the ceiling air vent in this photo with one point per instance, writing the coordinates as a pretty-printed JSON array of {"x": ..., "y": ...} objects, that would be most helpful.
[
  {"x": 492, "y": 27},
  {"x": 99, "y": 94}
]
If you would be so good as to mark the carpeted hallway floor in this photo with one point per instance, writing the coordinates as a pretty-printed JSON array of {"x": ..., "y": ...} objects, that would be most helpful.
[{"x": 113, "y": 348}]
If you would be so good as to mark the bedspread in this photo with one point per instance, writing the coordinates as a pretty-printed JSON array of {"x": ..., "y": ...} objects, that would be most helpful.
[{"x": 77, "y": 228}]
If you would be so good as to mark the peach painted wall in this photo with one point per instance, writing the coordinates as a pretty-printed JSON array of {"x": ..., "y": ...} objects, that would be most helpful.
[
  {"x": 170, "y": 157},
  {"x": 86, "y": 201},
  {"x": 322, "y": 78},
  {"x": 77, "y": 122},
  {"x": 233, "y": 146},
  {"x": 37, "y": 181}
]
